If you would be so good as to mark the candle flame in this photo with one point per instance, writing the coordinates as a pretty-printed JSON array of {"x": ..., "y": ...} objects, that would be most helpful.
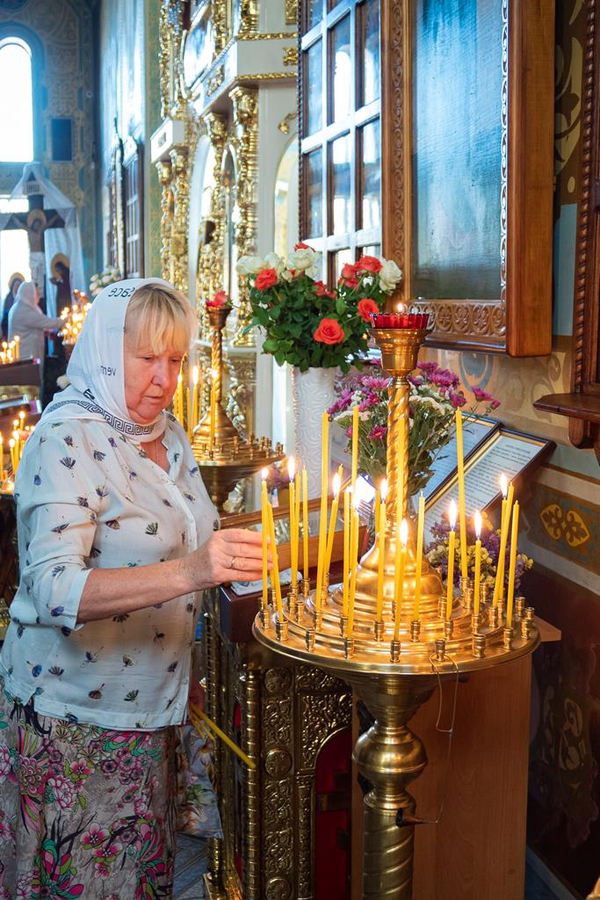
[
  {"x": 264, "y": 474},
  {"x": 11, "y": 443},
  {"x": 504, "y": 485},
  {"x": 291, "y": 468},
  {"x": 337, "y": 483},
  {"x": 403, "y": 532},
  {"x": 383, "y": 489},
  {"x": 452, "y": 515},
  {"x": 477, "y": 518},
  {"x": 195, "y": 375},
  {"x": 179, "y": 378},
  {"x": 400, "y": 308}
]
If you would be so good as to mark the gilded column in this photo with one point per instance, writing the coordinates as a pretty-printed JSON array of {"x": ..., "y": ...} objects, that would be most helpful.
[
  {"x": 252, "y": 847},
  {"x": 248, "y": 16},
  {"x": 179, "y": 240},
  {"x": 245, "y": 112},
  {"x": 215, "y": 845},
  {"x": 163, "y": 167},
  {"x": 210, "y": 268}
]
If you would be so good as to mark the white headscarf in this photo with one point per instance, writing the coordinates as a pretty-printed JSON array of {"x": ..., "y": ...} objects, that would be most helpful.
[
  {"x": 26, "y": 295},
  {"x": 95, "y": 370}
]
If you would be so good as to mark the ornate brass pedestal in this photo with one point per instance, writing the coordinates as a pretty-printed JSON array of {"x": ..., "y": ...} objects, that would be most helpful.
[
  {"x": 395, "y": 674},
  {"x": 224, "y": 456}
]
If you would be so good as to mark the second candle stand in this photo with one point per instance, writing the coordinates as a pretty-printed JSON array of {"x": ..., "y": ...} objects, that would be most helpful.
[
  {"x": 395, "y": 659},
  {"x": 223, "y": 454}
]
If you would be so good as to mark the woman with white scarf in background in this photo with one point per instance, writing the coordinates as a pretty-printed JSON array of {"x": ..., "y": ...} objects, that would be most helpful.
[
  {"x": 28, "y": 321},
  {"x": 116, "y": 540}
]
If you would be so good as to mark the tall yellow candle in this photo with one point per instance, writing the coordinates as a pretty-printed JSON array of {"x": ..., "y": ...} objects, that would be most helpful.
[
  {"x": 377, "y": 509},
  {"x": 188, "y": 404},
  {"x": 323, "y": 516},
  {"x": 381, "y": 550},
  {"x": 13, "y": 460},
  {"x": 400, "y": 562},
  {"x": 337, "y": 483},
  {"x": 179, "y": 399},
  {"x": 504, "y": 529},
  {"x": 346, "y": 568},
  {"x": 353, "y": 561},
  {"x": 264, "y": 519},
  {"x": 451, "y": 550},
  {"x": 305, "y": 534},
  {"x": 355, "y": 427},
  {"x": 298, "y": 499},
  {"x": 477, "y": 576},
  {"x": 512, "y": 565},
  {"x": 462, "y": 512},
  {"x": 419, "y": 559},
  {"x": 293, "y": 522},
  {"x": 275, "y": 570},
  {"x": 194, "y": 413}
]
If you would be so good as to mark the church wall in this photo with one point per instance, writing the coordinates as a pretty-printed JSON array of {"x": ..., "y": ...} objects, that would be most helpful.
[
  {"x": 561, "y": 526},
  {"x": 60, "y": 35}
]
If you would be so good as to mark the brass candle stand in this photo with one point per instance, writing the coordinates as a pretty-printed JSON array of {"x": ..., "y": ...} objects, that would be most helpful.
[
  {"x": 395, "y": 674},
  {"x": 223, "y": 454}
]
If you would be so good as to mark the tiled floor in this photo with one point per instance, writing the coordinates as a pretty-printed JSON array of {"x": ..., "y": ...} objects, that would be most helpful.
[{"x": 190, "y": 866}]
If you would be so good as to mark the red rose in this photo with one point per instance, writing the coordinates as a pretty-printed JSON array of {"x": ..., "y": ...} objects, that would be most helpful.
[
  {"x": 266, "y": 278},
  {"x": 369, "y": 264},
  {"x": 348, "y": 271},
  {"x": 321, "y": 290},
  {"x": 219, "y": 300},
  {"x": 302, "y": 246},
  {"x": 365, "y": 307},
  {"x": 329, "y": 332}
]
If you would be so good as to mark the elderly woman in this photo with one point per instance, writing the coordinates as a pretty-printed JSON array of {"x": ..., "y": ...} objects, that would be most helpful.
[
  {"x": 116, "y": 539},
  {"x": 28, "y": 321}
]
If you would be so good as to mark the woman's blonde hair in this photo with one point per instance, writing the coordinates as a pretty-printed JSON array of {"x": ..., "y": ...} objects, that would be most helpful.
[{"x": 160, "y": 318}]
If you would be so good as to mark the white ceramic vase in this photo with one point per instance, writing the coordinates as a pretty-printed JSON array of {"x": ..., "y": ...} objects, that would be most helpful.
[{"x": 312, "y": 394}]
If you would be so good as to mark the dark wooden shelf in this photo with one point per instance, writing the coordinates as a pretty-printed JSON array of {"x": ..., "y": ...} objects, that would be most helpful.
[{"x": 576, "y": 406}]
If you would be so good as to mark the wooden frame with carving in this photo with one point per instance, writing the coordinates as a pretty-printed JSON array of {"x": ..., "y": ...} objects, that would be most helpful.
[
  {"x": 582, "y": 405},
  {"x": 518, "y": 321}
]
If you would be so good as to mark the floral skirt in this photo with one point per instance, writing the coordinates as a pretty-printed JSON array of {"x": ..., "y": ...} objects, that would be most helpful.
[{"x": 84, "y": 811}]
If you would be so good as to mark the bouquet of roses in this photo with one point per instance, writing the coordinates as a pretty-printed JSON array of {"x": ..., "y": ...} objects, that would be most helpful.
[
  {"x": 435, "y": 394},
  {"x": 307, "y": 324},
  {"x": 437, "y": 554}
]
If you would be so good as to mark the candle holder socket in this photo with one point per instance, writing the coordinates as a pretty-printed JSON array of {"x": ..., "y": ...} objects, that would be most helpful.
[
  {"x": 467, "y": 597},
  {"x": 310, "y": 639},
  {"x": 379, "y": 629},
  {"x": 442, "y": 608},
  {"x": 344, "y": 626},
  {"x": 464, "y": 586},
  {"x": 507, "y": 637},
  {"x": 299, "y": 609},
  {"x": 318, "y": 619},
  {"x": 415, "y": 631},
  {"x": 440, "y": 650},
  {"x": 484, "y": 594},
  {"x": 520, "y": 607},
  {"x": 448, "y": 629},
  {"x": 326, "y": 582},
  {"x": 395, "y": 651},
  {"x": 305, "y": 589},
  {"x": 479, "y": 642},
  {"x": 476, "y": 623},
  {"x": 281, "y": 629},
  {"x": 493, "y": 616},
  {"x": 525, "y": 628},
  {"x": 348, "y": 647},
  {"x": 264, "y": 618},
  {"x": 529, "y": 614}
]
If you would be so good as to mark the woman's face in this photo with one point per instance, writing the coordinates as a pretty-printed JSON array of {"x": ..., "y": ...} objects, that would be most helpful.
[
  {"x": 150, "y": 381},
  {"x": 16, "y": 285}
]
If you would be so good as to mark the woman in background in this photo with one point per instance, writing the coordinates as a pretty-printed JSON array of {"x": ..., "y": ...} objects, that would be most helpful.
[
  {"x": 14, "y": 283},
  {"x": 28, "y": 321}
]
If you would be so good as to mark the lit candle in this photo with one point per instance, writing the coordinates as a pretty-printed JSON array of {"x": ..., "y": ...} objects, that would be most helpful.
[
  {"x": 461, "y": 495},
  {"x": 213, "y": 408},
  {"x": 477, "y": 578},
  {"x": 293, "y": 522},
  {"x": 264, "y": 518},
  {"x": 337, "y": 483},
  {"x": 355, "y": 427},
  {"x": 512, "y": 565},
  {"x": 323, "y": 516},
  {"x": 194, "y": 415},
  {"x": 504, "y": 489},
  {"x": 346, "y": 570},
  {"x": 177, "y": 411},
  {"x": 17, "y": 341},
  {"x": 13, "y": 461},
  {"x": 305, "y": 534},
  {"x": 275, "y": 570},
  {"x": 451, "y": 548},
  {"x": 376, "y": 509},
  {"x": 504, "y": 529},
  {"x": 419, "y": 559},
  {"x": 353, "y": 560},
  {"x": 400, "y": 561},
  {"x": 381, "y": 550}
]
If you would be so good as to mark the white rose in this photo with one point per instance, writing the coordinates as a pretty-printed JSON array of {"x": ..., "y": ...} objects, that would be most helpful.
[
  {"x": 250, "y": 265},
  {"x": 314, "y": 272},
  {"x": 115, "y": 274},
  {"x": 304, "y": 259},
  {"x": 389, "y": 275},
  {"x": 286, "y": 275},
  {"x": 275, "y": 262}
]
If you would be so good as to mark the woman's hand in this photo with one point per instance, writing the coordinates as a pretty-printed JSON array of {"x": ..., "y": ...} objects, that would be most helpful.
[{"x": 233, "y": 554}]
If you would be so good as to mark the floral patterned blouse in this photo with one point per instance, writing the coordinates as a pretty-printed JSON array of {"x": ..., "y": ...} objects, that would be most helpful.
[{"x": 89, "y": 497}]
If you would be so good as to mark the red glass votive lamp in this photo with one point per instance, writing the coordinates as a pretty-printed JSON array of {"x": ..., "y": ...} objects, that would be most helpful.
[{"x": 400, "y": 320}]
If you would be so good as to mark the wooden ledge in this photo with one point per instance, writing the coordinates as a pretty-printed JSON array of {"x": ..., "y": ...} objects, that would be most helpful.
[{"x": 576, "y": 406}]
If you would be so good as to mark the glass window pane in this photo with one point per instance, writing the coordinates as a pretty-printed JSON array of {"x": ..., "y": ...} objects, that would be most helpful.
[
  {"x": 369, "y": 250},
  {"x": 313, "y": 88},
  {"x": 16, "y": 103},
  {"x": 340, "y": 259},
  {"x": 368, "y": 42},
  {"x": 313, "y": 178},
  {"x": 341, "y": 187},
  {"x": 370, "y": 175},
  {"x": 313, "y": 13},
  {"x": 340, "y": 70}
]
